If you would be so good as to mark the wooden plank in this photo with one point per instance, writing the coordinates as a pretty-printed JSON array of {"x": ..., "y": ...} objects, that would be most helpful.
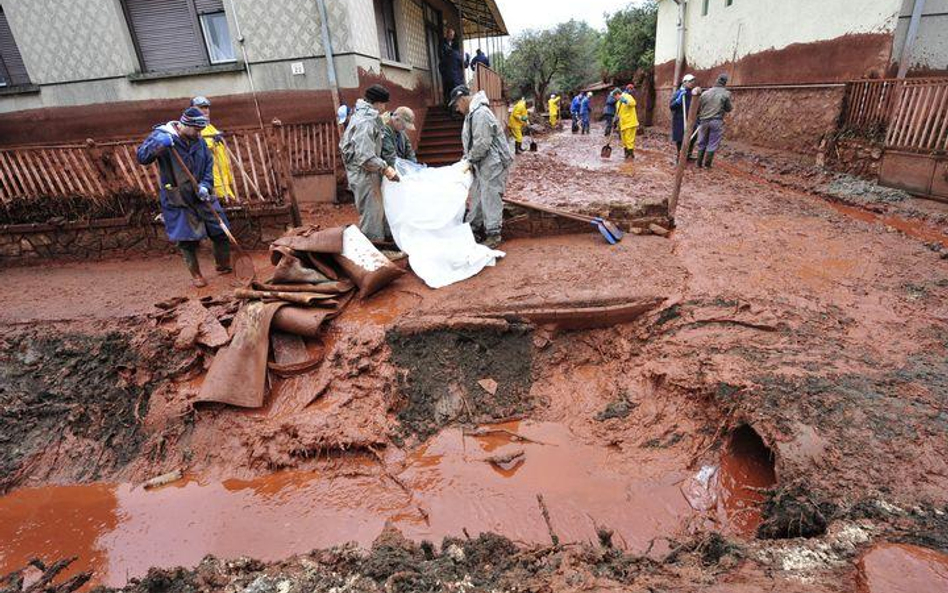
[
  {"x": 54, "y": 172},
  {"x": 36, "y": 171},
  {"x": 921, "y": 117},
  {"x": 907, "y": 111},
  {"x": 12, "y": 184},
  {"x": 253, "y": 166},
  {"x": 897, "y": 117},
  {"x": 22, "y": 171},
  {"x": 240, "y": 161},
  {"x": 931, "y": 120},
  {"x": 79, "y": 170},
  {"x": 267, "y": 164}
]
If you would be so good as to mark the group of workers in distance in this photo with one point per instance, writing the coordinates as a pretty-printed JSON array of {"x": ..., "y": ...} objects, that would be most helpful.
[{"x": 619, "y": 115}]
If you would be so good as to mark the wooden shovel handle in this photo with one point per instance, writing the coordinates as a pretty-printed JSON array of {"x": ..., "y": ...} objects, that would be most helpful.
[
  {"x": 549, "y": 210},
  {"x": 210, "y": 207}
]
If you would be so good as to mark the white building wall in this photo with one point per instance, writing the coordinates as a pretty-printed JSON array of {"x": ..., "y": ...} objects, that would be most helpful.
[
  {"x": 751, "y": 26},
  {"x": 930, "y": 51}
]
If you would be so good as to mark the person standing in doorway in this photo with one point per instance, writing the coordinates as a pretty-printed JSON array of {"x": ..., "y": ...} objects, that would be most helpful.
[
  {"x": 452, "y": 62},
  {"x": 713, "y": 105},
  {"x": 223, "y": 174},
  {"x": 485, "y": 148},
  {"x": 361, "y": 150},
  {"x": 185, "y": 209}
]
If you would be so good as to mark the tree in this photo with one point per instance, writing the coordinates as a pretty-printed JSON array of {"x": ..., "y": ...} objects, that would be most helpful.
[
  {"x": 629, "y": 42},
  {"x": 563, "y": 55}
]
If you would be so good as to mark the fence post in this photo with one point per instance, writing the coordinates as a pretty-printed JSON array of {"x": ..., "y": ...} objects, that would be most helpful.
[{"x": 285, "y": 174}]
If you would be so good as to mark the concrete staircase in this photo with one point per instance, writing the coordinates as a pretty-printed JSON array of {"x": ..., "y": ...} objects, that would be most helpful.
[{"x": 440, "y": 142}]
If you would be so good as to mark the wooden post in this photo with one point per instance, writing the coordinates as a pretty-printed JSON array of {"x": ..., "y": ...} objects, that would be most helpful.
[
  {"x": 286, "y": 174},
  {"x": 683, "y": 153}
]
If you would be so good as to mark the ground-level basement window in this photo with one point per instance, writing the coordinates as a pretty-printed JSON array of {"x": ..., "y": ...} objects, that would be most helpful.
[
  {"x": 728, "y": 2},
  {"x": 179, "y": 34},
  {"x": 12, "y": 69},
  {"x": 385, "y": 23},
  {"x": 704, "y": 7}
]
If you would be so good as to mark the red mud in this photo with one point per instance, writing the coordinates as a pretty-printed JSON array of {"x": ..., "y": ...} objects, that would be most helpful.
[
  {"x": 772, "y": 308},
  {"x": 452, "y": 484},
  {"x": 900, "y": 568}
]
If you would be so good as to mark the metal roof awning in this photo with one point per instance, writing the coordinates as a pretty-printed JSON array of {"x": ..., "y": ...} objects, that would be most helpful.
[{"x": 481, "y": 18}]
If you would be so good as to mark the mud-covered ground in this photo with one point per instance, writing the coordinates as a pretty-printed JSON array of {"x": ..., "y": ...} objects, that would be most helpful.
[{"x": 822, "y": 329}]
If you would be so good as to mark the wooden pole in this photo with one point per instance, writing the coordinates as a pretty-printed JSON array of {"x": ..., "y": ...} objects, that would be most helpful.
[
  {"x": 683, "y": 153},
  {"x": 286, "y": 174}
]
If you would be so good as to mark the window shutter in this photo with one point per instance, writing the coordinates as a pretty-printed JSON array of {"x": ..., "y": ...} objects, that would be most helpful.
[
  {"x": 166, "y": 34},
  {"x": 206, "y": 6},
  {"x": 11, "y": 63}
]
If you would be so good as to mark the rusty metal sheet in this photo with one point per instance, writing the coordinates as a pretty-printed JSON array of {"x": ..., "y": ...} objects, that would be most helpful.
[
  {"x": 238, "y": 374},
  {"x": 911, "y": 172},
  {"x": 312, "y": 240},
  {"x": 939, "y": 189},
  {"x": 301, "y": 321}
]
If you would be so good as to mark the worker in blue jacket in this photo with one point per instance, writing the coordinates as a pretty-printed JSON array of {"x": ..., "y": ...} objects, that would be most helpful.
[
  {"x": 574, "y": 110},
  {"x": 585, "y": 109},
  {"x": 609, "y": 112},
  {"x": 185, "y": 208},
  {"x": 679, "y": 105}
]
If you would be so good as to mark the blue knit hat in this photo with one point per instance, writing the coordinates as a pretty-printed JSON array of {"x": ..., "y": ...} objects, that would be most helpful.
[{"x": 194, "y": 118}]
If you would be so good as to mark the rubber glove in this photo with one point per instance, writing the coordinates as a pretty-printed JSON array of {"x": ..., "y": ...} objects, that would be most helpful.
[
  {"x": 203, "y": 194},
  {"x": 165, "y": 139}
]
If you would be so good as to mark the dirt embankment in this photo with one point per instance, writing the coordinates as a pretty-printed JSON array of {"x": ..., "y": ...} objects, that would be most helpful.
[{"x": 774, "y": 410}]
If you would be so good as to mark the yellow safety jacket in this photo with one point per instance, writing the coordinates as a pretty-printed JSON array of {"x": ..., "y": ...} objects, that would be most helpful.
[
  {"x": 554, "y": 106},
  {"x": 625, "y": 110},
  {"x": 518, "y": 117},
  {"x": 223, "y": 176}
]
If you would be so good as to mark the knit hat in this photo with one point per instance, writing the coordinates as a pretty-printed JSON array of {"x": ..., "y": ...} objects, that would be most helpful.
[
  {"x": 723, "y": 78},
  {"x": 376, "y": 94},
  {"x": 193, "y": 118}
]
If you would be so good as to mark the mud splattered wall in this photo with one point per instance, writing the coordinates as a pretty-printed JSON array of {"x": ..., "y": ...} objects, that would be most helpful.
[
  {"x": 776, "y": 41},
  {"x": 930, "y": 53}
]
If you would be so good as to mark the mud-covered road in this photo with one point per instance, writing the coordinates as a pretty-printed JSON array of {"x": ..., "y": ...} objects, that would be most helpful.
[{"x": 769, "y": 413}]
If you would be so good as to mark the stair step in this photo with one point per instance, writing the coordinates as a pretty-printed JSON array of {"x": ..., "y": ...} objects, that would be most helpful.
[{"x": 441, "y": 140}]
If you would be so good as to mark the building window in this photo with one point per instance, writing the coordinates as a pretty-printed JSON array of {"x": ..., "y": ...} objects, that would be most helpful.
[
  {"x": 385, "y": 23},
  {"x": 179, "y": 34},
  {"x": 12, "y": 68},
  {"x": 704, "y": 7},
  {"x": 220, "y": 48},
  {"x": 728, "y": 2}
]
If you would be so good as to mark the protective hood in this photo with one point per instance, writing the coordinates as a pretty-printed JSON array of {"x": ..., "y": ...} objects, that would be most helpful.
[
  {"x": 479, "y": 99},
  {"x": 364, "y": 109}
]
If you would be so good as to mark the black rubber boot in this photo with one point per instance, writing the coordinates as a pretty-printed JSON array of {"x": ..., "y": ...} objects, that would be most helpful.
[
  {"x": 222, "y": 254},
  {"x": 700, "y": 159},
  {"x": 518, "y": 147},
  {"x": 189, "y": 253},
  {"x": 707, "y": 159}
]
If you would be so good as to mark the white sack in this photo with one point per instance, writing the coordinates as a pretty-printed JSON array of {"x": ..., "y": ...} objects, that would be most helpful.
[{"x": 425, "y": 211}]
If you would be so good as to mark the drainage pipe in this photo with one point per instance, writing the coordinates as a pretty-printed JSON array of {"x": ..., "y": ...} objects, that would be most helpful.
[
  {"x": 330, "y": 61},
  {"x": 680, "y": 56},
  {"x": 243, "y": 51},
  {"x": 906, "y": 57}
]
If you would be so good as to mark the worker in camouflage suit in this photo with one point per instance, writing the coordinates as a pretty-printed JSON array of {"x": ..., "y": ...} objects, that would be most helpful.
[
  {"x": 361, "y": 149},
  {"x": 395, "y": 141},
  {"x": 485, "y": 148}
]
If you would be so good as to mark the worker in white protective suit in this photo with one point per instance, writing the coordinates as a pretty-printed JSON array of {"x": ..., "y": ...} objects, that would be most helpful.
[{"x": 485, "y": 148}]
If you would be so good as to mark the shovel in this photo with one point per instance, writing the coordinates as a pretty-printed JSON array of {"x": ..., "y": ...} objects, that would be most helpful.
[
  {"x": 533, "y": 144},
  {"x": 242, "y": 256},
  {"x": 606, "y": 151},
  {"x": 609, "y": 230}
]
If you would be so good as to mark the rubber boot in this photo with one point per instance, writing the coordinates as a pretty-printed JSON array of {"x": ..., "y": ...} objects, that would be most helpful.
[
  {"x": 189, "y": 253},
  {"x": 492, "y": 241},
  {"x": 222, "y": 254},
  {"x": 518, "y": 147},
  {"x": 707, "y": 159},
  {"x": 700, "y": 159},
  {"x": 632, "y": 153}
]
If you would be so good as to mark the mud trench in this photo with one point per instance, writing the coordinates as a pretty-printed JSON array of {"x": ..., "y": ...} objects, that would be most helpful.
[{"x": 685, "y": 414}]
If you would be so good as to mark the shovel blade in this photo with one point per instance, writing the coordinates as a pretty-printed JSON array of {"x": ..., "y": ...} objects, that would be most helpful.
[
  {"x": 533, "y": 146},
  {"x": 604, "y": 232},
  {"x": 606, "y": 152},
  {"x": 613, "y": 228}
]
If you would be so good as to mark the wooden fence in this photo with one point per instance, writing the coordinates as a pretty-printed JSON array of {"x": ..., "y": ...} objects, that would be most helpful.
[
  {"x": 263, "y": 163},
  {"x": 492, "y": 84},
  {"x": 919, "y": 121},
  {"x": 909, "y": 114}
]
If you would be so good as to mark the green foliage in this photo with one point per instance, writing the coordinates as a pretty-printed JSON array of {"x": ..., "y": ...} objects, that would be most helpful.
[
  {"x": 562, "y": 57},
  {"x": 629, "y": 42}
]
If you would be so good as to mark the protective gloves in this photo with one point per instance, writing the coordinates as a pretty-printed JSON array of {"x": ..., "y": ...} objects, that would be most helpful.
[{"x": 203, "y": 194}]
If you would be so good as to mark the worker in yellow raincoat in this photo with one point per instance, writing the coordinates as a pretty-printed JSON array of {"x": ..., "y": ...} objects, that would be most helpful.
[
  {"x": 554, "y": 107},
  {"x": 628, "y": 120},
  {"x": 518, "y": 119},
  {"x": 223, "y": 176}
]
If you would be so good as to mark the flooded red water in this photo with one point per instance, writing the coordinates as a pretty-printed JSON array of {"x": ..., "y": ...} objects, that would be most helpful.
[
  {"x": 457, "y": 482},
  {"x": 901, "y": 568}
]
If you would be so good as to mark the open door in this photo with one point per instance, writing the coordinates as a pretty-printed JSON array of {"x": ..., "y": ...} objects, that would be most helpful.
[{"x": 433, "y": 32}]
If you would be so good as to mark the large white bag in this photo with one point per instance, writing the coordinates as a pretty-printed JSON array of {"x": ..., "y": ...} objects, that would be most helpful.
[{"x": 425, "y": 211}]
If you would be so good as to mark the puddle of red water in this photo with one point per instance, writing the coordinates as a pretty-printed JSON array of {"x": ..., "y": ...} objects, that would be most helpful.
[
  {"x": 454, "y": 483},
  {"x": 911, "y": 228},
  {"x": 901, "y": 568}
]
